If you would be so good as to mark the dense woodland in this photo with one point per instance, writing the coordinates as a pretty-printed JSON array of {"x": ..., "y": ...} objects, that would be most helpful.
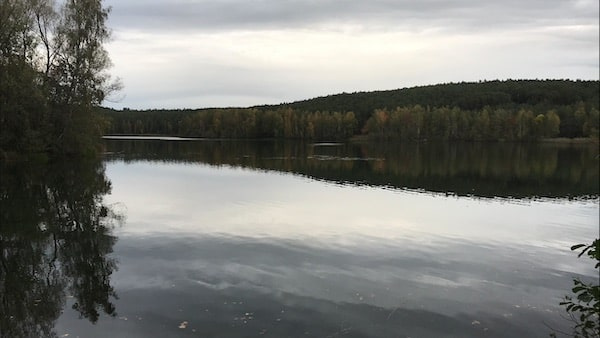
[
  {"x": 235, "y": 123},
  {"x": 52, "y": 75},
  {"x": 496, "y": 110}
]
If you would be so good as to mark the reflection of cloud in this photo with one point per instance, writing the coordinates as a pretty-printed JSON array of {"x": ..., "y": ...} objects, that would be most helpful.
[
  {"x": 330, "y": 254},
  {"x": 201, "y": 199},
  {"x": 395, "y": 272},
  {"x": 234, "y": 313},
  {"x": 212, "y": 280}
]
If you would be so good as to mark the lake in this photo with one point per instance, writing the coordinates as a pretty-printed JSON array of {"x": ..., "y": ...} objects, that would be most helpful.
[{"x": 197, "y": 238}]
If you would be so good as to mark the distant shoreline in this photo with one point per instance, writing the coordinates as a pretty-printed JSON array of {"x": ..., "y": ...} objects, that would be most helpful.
[
  {"x": 576, "y": 140},
  {"x": 353, "y": 139}
]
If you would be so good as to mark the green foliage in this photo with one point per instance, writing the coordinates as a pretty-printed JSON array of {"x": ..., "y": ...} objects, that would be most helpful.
[
  {"x": 52, "y": 73},
  {"x": 584, "y": 306},
  {"x": 24, "y": 110},
  {"x": 78, "y": 72}
]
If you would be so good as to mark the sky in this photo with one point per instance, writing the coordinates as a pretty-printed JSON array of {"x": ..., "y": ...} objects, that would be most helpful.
[{"x": 239, "y": 53}]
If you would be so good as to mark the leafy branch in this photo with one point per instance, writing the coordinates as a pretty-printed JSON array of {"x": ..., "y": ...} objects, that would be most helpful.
[{"x": 584, "y": 306}]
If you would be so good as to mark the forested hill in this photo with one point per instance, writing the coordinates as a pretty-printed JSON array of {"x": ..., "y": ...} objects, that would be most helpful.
[
  {"x": 540, "y": 95},
  {"x": 519, "y": 110}
]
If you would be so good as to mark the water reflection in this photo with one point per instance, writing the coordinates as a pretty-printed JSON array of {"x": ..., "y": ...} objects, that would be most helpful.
[
  {"x": 55, "y": 240},
  {"x": 510, "y": 170},
  {"x": 236, "y": 252},
  {"x": 231, "y": 287}
]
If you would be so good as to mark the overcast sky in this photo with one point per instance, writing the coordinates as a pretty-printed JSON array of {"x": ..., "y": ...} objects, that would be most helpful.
[{"x": 218, "y": 53}]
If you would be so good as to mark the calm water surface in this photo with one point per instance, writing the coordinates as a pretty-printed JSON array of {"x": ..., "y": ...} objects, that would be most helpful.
[{"x": 175, "y": 238}]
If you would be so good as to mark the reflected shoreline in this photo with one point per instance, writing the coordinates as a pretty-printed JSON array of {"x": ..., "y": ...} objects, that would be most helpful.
[{"x": 489, "y": 170}]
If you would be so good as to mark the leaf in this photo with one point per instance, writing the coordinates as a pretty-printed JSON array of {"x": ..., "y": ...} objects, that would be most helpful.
[{"x": 585, "y": 297}]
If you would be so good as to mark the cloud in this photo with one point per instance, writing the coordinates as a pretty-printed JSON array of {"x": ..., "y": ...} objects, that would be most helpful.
[
  {"x": 384, "y": 14},
  {"x": 177, "y": 54}
]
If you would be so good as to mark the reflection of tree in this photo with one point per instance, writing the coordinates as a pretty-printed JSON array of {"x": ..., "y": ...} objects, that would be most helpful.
[
  {"x": 516, "y": 170},
  {"x": 55, "y": 238}
]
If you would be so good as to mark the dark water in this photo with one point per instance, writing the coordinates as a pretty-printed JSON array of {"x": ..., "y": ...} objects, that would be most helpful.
[{"x": 247, "y": 239}]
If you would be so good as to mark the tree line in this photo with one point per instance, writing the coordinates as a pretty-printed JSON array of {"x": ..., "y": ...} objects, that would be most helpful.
[
  {"x": 539, "y": 96},
  {"x": 415, "y": 123},
  {"x": 521, "y": 123},
  {"x": 418, "y": 123},
  {"x": 235, "y": 123},
  {"x": 52, "y": 75}
]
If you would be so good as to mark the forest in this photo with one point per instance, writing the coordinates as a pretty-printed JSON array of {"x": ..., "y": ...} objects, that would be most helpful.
[{"x": 517, "y": 110}]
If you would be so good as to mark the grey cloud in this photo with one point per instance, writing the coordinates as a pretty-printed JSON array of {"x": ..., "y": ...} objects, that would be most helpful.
[
  {"x": 278, "y": 14},
  {"x": 515, "y": 39}
]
